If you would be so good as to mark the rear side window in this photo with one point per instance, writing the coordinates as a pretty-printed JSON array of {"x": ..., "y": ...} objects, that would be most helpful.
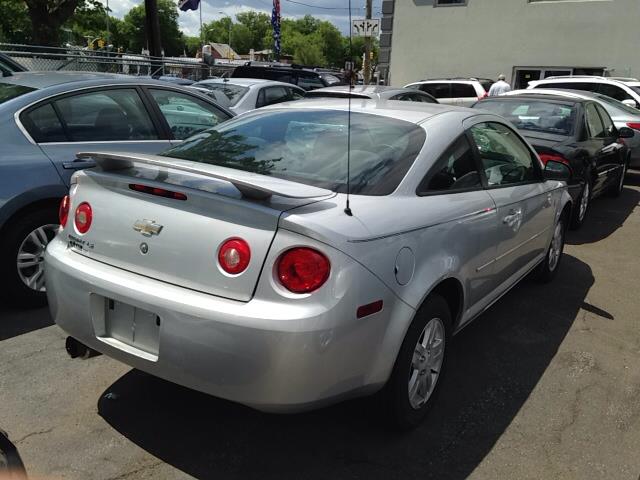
[
  {"x": 44, "y": 125},
  {"x": 272, "y": 95},
  {"x": 614, "y": 92},
  {"x": 586, "y": 86},
  {"x": 311, "y": 147},
  {"x": 456, "y": 170},
  {"x": 9, "y": 91},
  {"x": 607, "y": 124},
  {"x": 438, "y": 90},
  {"x": 106, "y": 115},
  {"x": 185, "y": 114},
  {"x": 594, "y": 124},
  {"x": 309, "y": 82},
  {"x": 462, "y": 90}
]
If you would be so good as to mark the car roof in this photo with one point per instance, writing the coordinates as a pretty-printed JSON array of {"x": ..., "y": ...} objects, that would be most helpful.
[
  {"x": 414, "y": 112},
  {"x": 580, "y": 79},
  {"x": 560, "y": 92},
  {"x": 244, "y": 82},
  {"x": 537, "y": 96},
  {"x": 39, "y": 80},
  {"x": 360, "y": 89}
]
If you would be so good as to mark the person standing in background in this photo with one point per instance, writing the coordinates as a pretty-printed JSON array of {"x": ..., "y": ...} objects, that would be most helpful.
[{"x": 500, "y": 87}]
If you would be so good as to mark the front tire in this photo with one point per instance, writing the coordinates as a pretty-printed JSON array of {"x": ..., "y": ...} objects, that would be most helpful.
[
  {"x": 579, "y": 213},
  {"x": 616, "y": 189},
  {"x": 548, "y": 269},
  {"x": 419, "y": 367},
  {"x": 22, "y": 257}
]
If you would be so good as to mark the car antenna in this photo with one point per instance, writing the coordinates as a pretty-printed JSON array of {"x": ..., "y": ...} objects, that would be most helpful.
[{"x": 347, "y": 208}]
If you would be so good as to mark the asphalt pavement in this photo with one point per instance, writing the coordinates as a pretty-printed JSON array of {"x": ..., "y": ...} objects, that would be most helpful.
[{"x": 544, "y": 385}]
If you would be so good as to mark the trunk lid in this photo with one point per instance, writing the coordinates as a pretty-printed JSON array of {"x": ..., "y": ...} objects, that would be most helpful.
[{"x": 176, "y": 240}]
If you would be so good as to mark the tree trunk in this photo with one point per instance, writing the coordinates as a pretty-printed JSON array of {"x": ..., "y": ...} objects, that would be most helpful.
[{"x": 47, "y": 16}]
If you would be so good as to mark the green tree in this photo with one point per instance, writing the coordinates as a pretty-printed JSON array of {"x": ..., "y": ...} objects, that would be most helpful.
[
  {"x": 309, "y": 54},
  {"x": 259, "y": 24},
  {"x": 134, "y": 28},
  {"x": 15, "y": 26},
  {"x": 217, "y": 31},
  {"x": 241, "y": 38},
  {"x": 329, "y": 39},
  {"x": 192, "y": 45},
  {"x": 47, "y": 18}
]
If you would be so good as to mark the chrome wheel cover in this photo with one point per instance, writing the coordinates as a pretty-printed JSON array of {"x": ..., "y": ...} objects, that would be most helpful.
[
  {"x": 555, "y": 250},
  {"x": 584, "y": 201},
  {"x": 426, "y": 363},
  {"x": 30, "y": 260}
]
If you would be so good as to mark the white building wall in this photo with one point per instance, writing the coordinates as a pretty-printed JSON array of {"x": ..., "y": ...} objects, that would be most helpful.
[{"x": 489, "y": 37}]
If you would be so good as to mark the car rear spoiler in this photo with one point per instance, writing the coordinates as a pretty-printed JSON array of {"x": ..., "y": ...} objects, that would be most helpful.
[{"x": 251, "y": 185}]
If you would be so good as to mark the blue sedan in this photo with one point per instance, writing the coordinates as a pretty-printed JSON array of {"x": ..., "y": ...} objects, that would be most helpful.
[{"x": 46, "y": 118}]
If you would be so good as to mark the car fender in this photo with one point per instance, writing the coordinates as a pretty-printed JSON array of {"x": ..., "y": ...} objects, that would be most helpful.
[{"x": 52, "y": 192}]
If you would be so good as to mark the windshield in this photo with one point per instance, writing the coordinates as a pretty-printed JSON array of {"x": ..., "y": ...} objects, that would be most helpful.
[
  {"x": 232, "y": 93},
  {"x": 310, "y": 147},
  {"x": 9, "y": 91},
  {"x": 534, "y": 115}
]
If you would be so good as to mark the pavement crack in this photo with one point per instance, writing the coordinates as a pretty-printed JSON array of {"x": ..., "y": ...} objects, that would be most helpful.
[{"x": 32, "y": 434}]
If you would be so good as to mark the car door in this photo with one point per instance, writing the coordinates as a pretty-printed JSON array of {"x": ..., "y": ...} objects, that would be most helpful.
[
  {"x": 605, "y": 146},
  {"x": 115, "y": 119},
  {"x": 463, "y": 94},
  {"x": 524, "y": 202},
  {"x": 184, "y": 114},
  {"x": 455, "y": 179}
]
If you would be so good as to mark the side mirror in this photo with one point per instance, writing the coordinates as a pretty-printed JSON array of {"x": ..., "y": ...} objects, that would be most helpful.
[
  {"x": 631, "y": 103},
  {"x": 557, "y": 171},
  {"x": 625, "y": 132}
]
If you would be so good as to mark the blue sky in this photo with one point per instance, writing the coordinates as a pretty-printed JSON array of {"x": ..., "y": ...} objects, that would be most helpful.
[{"x": 335, "y": 11}]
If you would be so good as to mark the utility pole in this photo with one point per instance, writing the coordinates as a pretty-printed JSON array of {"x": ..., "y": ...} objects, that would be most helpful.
[
  {"x": 366, "y": 66},
  {"x": 152, "y": 24}
]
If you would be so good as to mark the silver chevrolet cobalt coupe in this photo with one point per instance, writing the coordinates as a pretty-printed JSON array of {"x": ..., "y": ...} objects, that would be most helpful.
[{"x": 233, "y": 264}]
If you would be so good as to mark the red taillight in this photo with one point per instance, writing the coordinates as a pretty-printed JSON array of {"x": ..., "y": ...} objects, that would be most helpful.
[
  {"x": 303, "y": 270},
  {"x": 545, "y": 157},
  {"x": 234, "y": 256},
  {"x": 160, "y": 192},
  {"x": 63, "y": 211},
  {"x": 83, "y": 217},
  {"x": 634, "y": 125}
]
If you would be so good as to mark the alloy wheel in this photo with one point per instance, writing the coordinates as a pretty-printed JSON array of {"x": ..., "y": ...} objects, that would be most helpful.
[
  {"x": 426, "y": 363},
  {"x": 555, "y": 250},
  {"x": 584, "y": 201},
  {"x": 30, "y": 259}
]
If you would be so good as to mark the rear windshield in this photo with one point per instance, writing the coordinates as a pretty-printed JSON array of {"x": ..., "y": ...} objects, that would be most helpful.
[
  {"x": 9, "y": 91},
  {"x": 534, "y": 115},
  {"x": 330, "y": 79},
  {"x": 635, "y": 88},
  {"x": 228, "y": 93},
  {"x": 310, "y": 147},
  {"x": 616, "y": 104}
]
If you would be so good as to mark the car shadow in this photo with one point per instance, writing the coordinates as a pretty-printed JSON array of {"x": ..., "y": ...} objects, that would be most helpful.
[
  {"x": 496, "y": 363},
  {"x": 606, "y": 215},
  {"x": 16, "y": 321}
]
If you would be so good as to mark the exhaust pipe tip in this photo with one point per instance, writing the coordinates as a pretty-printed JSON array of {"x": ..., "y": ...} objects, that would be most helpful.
[{"x": 76, "y": 349}]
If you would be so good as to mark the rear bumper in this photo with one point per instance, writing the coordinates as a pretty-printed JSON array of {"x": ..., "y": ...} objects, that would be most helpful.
[{"x": 273, "y": 355}]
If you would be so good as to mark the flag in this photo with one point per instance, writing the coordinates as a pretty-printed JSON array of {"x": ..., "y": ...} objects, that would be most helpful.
[
  {"x": 275, "y": 25},
  {"x": 185, "y": 5}
]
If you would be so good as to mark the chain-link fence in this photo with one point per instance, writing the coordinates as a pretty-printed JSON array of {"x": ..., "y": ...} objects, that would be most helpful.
[{"x": 39, "y": 58}]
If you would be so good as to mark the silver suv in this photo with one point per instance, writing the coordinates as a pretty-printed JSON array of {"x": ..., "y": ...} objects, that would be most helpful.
[
  {"x": 625, "y": 90},
  {"x": 463, "y": 92}
]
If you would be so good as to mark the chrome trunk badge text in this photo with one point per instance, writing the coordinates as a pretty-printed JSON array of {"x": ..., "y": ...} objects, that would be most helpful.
[{"x": 147, "y": 227}]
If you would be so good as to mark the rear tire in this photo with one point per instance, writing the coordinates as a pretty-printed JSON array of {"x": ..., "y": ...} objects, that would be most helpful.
[
  {"x": 420, "y": 366},
  {"x": 579, "y": 213},
  {"x": 616, "y": 189},
  {"x": 27, "y": 236},
  {"x": 548, "y": 269}
]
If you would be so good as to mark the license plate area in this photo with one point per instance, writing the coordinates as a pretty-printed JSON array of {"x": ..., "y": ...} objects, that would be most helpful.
[{"x": 127, "y": 327}]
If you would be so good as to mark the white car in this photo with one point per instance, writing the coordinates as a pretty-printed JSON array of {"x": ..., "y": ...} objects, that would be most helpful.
[
  {"x": 625, "y": 90},
  {"x": 243, "y": 94},
  {"x": 462, "y": 92}
]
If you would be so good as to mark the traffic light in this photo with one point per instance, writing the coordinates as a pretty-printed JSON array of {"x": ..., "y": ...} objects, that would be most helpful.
[{"x": 371, "y": 55}]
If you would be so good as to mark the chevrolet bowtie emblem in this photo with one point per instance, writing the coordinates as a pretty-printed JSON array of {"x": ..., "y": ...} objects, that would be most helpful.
[{"x": 147, "y": 227}]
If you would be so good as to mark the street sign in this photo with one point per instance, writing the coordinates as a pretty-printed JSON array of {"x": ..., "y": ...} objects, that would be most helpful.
[{"x": 365, "y": 27}]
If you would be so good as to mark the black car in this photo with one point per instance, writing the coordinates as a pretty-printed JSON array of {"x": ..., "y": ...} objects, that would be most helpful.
[
  {"x": 8, "y": 66},
  {"x": 576, "y": 132},
  {"x": 305, "y": 78}
]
